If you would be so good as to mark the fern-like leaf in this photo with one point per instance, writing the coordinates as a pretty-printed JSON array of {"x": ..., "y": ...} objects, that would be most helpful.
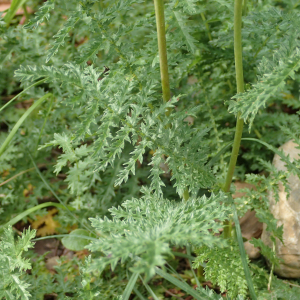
[
  {"x": 42, "y": 14},
  {"x": 62, "y": 34},
  {"x": 147, "y": 228},
  {"x": 12, "y": 265},
  {"x": 186, "y": 30},
  {"x": 272, "y": 81}
]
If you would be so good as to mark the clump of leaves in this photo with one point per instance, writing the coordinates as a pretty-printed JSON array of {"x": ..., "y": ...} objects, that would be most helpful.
[
  {"x": 144, "y": 230},
  {"x": 219, "y": 263},
  {"x": 13, "y": 265}
]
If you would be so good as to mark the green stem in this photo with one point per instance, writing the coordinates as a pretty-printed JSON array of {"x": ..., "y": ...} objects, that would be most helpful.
[
  {"x": 257, "y": 133},
  {"x": 14, "y": 6},
  {"x": 234, "y": 154},
  {"x": 21, "y": 120},
  {"x": 271, "y": 272},
  {"x": 245, "y": 7},
  {"x": 163, "y": 61},
  {"x": 206, "y": 25},
  {"x": 240, "y": 89},
  {"x": 238, "y": 46},
  {"x": 25, "y": 12},
  {"x": 162, "y": 49}
]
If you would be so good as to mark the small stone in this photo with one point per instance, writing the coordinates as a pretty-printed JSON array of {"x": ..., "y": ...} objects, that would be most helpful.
[
  {"x": 250, "y": 225},
  {"x": 287, "y": 213},
  {"x": 51, "y": 263},
  {"x": 252, "y": 252}
]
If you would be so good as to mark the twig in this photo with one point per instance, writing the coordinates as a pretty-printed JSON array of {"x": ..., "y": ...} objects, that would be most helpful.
[
  {"x": 171, "y": 294},
  {"x": 23, "y": 172},
  {"x": 292, "y": 284}
]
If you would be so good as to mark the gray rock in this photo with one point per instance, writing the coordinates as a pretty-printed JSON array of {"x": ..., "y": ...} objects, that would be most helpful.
[
  {"x": 287, "y": 212},
  {"x": 253, "y": 252}
]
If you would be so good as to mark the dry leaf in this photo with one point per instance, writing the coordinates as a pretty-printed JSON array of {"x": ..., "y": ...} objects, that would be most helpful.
[
  {"x": 45, "y": 225},
  {"x": 29, "y": 191}
]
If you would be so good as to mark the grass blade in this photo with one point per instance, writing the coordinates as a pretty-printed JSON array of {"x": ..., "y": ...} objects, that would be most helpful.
[
  {"x": 149, "y": 289},
  {"x": 130, "y": 286},
  {"x": 56, "y": 196},
  {"x": 29, "y": 211},
  {"x": 14, "y": 98},
  {"x": 21, "y": 120},
  {"x": 182, "y": 285},
  {"x": 139, "y": 294},
  {"x": 243, "y": 253},
  {"x": 188, "y": 249}
]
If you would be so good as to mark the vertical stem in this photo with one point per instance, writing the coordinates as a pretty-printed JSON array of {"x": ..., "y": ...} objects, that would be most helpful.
[
  {"x": 206, "y": 25},
  {"x": 163, "y": 61},
  {"x": 245, "y": 7},
  {"x": 240, "y": 89},
  {"x": 162, "y": 49},
  {"x": 271, "y": 272},
  {"x": 238, "y": 46},
  {"x": 26, "y": 14}
]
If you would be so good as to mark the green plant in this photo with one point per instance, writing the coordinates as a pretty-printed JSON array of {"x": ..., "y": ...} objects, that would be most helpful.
[
  {"x": 143, "y": 144},
  {"x": 13, "y": 265}
]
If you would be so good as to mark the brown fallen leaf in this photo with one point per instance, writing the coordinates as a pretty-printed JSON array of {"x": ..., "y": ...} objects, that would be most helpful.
[{"x": 45, "y": 225}]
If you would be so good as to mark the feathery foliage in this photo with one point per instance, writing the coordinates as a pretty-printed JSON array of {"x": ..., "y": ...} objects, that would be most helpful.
[
  {"x": 13, "y": 264},
  {"x": 147, "y": 226},
  {"x": 104, "y": 142}
]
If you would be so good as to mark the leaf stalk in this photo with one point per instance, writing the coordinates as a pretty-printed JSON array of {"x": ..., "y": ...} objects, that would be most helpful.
[
  {"x": 162, "y": 50},
  {"x": 238, "y": 9}
]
